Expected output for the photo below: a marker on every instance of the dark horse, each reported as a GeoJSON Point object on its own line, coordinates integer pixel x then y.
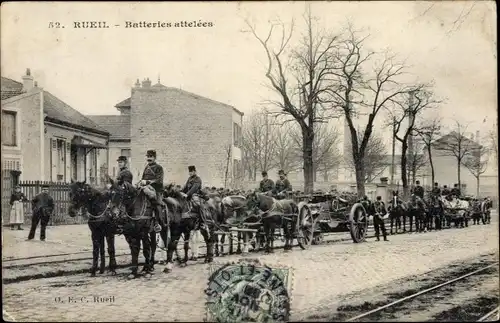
{"type": "Point", "coordinates": [96, 203]}
{"type": "Point", "coordinates": [416, 210]}
{"type": "Point", "coordinates": [136, 215]}
{"type": "Point", "coordinates": [435, 211]}
{"type": "Point", "coordinates": [201, 213]}
{"type": "Point", "coordinates": [274, 213]}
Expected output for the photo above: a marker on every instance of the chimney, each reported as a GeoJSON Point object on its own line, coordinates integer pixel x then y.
{"type": "Point", "coordinates": [28, 81]}
{"type": "Point", "coordinates": [137, 84]}
{"type": "Point", "coordinates": [146, 83]}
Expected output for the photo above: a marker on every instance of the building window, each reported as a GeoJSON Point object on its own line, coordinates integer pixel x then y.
{"type": "Point", "coordinates": [236, 135]}
{"type": "Point", "coordinates": [9, 129]}
{"type": "Point", "coordinates": [125, 152]}
{"type": "Point", "coordinates": [61, 159]}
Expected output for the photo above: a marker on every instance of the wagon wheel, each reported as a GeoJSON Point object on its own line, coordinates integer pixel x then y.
{"type": "Point", "coordinates": [305, 228]}
{"type": "Point", "coordinates": [358, 223]}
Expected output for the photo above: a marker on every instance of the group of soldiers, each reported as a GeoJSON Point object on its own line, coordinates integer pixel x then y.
{"type": "Point", "coordinates": [278, 190]}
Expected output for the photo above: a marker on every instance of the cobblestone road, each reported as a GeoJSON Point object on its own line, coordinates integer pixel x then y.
{"type": "Point", "coordinates": [321, 274]}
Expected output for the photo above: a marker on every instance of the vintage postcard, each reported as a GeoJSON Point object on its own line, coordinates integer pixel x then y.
{"type": "Point", "coordinates": [252, 161]}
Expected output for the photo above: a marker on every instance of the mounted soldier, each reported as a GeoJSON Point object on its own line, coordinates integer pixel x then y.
{"type": "Point", "coordinates": [282, 186]}
{"type": "Point", "coordinates": [152, 178]}
{"type": "Point", "coordinates": [436, 191]}
{"type": "Point", "coordinates": [456, 191]}
{"type": "Point", "coordinates": [191, 190]}
{"type": "Point", "coordinates": [378, 221]}
{"type": "Point", "coordinates": [446, 191]}
{"type": "Point", "coordinates": [418, 190]}
{"type": "Point", "coordinates": [266, 184]}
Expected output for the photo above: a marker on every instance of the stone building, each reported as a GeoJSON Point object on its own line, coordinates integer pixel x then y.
{"type": "Point", "coordinates": [184, 129]}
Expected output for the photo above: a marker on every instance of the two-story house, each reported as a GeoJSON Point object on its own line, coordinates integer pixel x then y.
{"type": "Point", "coordinates": [45, 138]}
{"type": "Point", "coordinates": [184, 128]}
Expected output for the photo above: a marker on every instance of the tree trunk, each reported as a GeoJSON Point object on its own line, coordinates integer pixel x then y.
{"type": "Point", "coordinates": [458, 174]}
{"type": "Point", "coordinates": [404, 173]}
{"type": "Point", "coordinates": [360, 177]}
{"type": "Point", "coordinates": [477, 186]}
{"type": "Point", "coordinates": [307, 151]}
{"type": "Point", "coordinates": [325, 176]}
{"type": "Point", "coordinates": [429, 150]}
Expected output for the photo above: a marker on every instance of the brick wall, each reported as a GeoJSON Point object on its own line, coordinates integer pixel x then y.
{"type": "Point", "coordinates": [30, 128]}
{"type": "Point", "coordinates": [184, 129]}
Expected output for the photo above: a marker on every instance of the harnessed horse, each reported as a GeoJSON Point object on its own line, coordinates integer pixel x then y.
{"type": "Point", "coordinates": [435, 211]}
{"type": "Point", "coordinates": [396, 212]}
{"type": "Point", "coordinates": [274, 213]}
{"type": "Point", "coordinates": [189, 215]}
{"type": "Point", "coordinates": [134, 211]}
{"type": "Point", "coordinates": [96, 202]}
{"type": "Point", "coordinates": [416, 210]}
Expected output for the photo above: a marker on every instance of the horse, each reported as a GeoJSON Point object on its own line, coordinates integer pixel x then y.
{"type": "Point", "coordinates": [96, 202]}
{"type": "Point", "coordinates": [135, 213]}
{"type": "Point", "coordinates": [274, 213]}
{"type": "Point", "coordinates": [188, 216]}
{"type": "Point", "coordinates": [435, 211]}
{"type": "Point", "coordinates": [234, 213]}
{"type": "Point", "coordinates": [396, 212]}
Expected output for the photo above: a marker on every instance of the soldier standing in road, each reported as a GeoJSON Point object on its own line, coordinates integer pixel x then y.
{"type": "Point", "coordinates": [282, 185]}
{"type": "Point", "coordinates": [418, 190]}
{"type": "Point", "coordinates": [436, 191]}
{"type": "Point", "coordinates": [266, 184]}
{"type": "Point", "coordinates": [42, 206]}
{"type": "Point", "coordinates": [378, 221]}
{"type": "Point", "coordinates": [153, 176]}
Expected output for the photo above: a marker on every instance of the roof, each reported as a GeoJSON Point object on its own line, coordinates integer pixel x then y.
{"type": "Point", "coordinates": [118, 126]}
{"type": "Point", "coordinates": [10, 88]}
{"type": "Point", "coordinates": [454, 136]}
{"type": "Point", "coordinates": [57, 110]}
{"type": "Point", "coordinates": [127, 102]}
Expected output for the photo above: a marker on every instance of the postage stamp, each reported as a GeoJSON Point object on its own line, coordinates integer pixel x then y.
{"type": "Point", "coordinates": [248, 291]}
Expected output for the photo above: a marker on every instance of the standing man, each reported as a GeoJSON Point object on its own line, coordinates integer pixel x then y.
{"type": "Point", "coordinates": [153, 176]}
{"type": "Point", "coordinates": [378, 221]}
{"type": "Point", "coordinates": [266, 184]}
{"type": "Point", "coordinates": [418, 190]}
{"type": "Point", "coordinates": [282, 185]}
{"type": "Point", "coordinates": [42, 206]}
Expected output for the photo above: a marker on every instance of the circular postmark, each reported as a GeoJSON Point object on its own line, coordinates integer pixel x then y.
{"type": "Point", "coordinates": [248, 292]}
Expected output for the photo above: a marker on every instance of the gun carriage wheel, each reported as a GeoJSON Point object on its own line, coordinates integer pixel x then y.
{"type": "Point", "coordinates": [358, 223]}
{"type": "Point", "coordinates": [305, 227]}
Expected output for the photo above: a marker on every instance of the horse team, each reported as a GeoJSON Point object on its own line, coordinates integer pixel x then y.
{"type": "Point", "coordinates": [128, 211]}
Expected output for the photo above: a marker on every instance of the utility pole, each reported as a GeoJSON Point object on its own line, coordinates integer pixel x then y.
{"type": "Point", "coordinates": [411, 153]}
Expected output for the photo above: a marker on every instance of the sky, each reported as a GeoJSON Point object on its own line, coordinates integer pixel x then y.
{"type": "Point", "coordinates": [452, 44]}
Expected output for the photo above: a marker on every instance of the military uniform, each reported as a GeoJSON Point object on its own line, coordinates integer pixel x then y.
{"type": "Point", "coordinates": [445, 191]}
{"type": "Point", "coordinates": [456, 191]}
{"type": "Point", "coordinates": [266, 185]}
{"type": "Point", "coordinates": [378, 221]}
{"type": "Point", "coordinates": [153, 175]}
{"type": "Point", "coordinates": [193, 186]}
{"type": "Point", "coordinates": [436, 191]}
{"type": "Point", "coordinates": [282, 185]}
{"type": "Point", "coordinates": [42, 206]}
{"type": "Point", "coordinates": [125, 175]}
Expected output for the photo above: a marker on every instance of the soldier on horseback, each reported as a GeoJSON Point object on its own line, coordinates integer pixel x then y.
{"type": "Point", "coordinates": [436, 191]}
{"type": "Point", "coordinates": [266, 184]}
{"type": "Point", "coordinates": [283, 185]}
{"type": "Point", "coordinates": [378, 221]}
{"type": "Point", "coordinates": [124, 179]}
{"type": "Point", "coordinates": [153, 177]}
{"type": "Point", "coordinates": [193, 184]}
{"type": "Point", "coordinates": [418, 190]}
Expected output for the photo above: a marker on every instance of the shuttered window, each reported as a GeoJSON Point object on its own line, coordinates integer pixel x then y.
{"type": "Point", "coordinates": [9, 129]}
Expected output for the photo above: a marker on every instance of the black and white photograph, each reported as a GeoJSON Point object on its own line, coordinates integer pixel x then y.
{"type": "Point", "coordinates": [251, 161]}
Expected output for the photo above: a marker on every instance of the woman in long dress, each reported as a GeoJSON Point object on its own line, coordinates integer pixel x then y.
{"type": "Point", "coordinates": [17, 209]}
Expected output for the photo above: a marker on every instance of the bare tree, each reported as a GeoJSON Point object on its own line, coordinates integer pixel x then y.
{"type": "Point", "coordinates": [418, 100]}
{"type": "Point", "coordinates": [326, 155]}
{"type": "Point", "coordinates": [429, 130]}
{"type": "Point", "coordinates": [456, 144]}
{"type": "Point", "coordinates": [477, 163]}
{"type": "Point", "coordinates": [357, 93]}
{"type": "Point", "coordinates": [306, 71]}
{"type": "Point", "coordinates": [223, 166]}
{"type": "Point", "coordinates": [416, 160]}
{"type": "Point", "coordinates": [286, 156]}
{"type": "Point", "coordinates": [258, 143]}
{"type": "Point", "coordinates": [374, 162]}
{"type": "Point", "coordinates": [493, 143]}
